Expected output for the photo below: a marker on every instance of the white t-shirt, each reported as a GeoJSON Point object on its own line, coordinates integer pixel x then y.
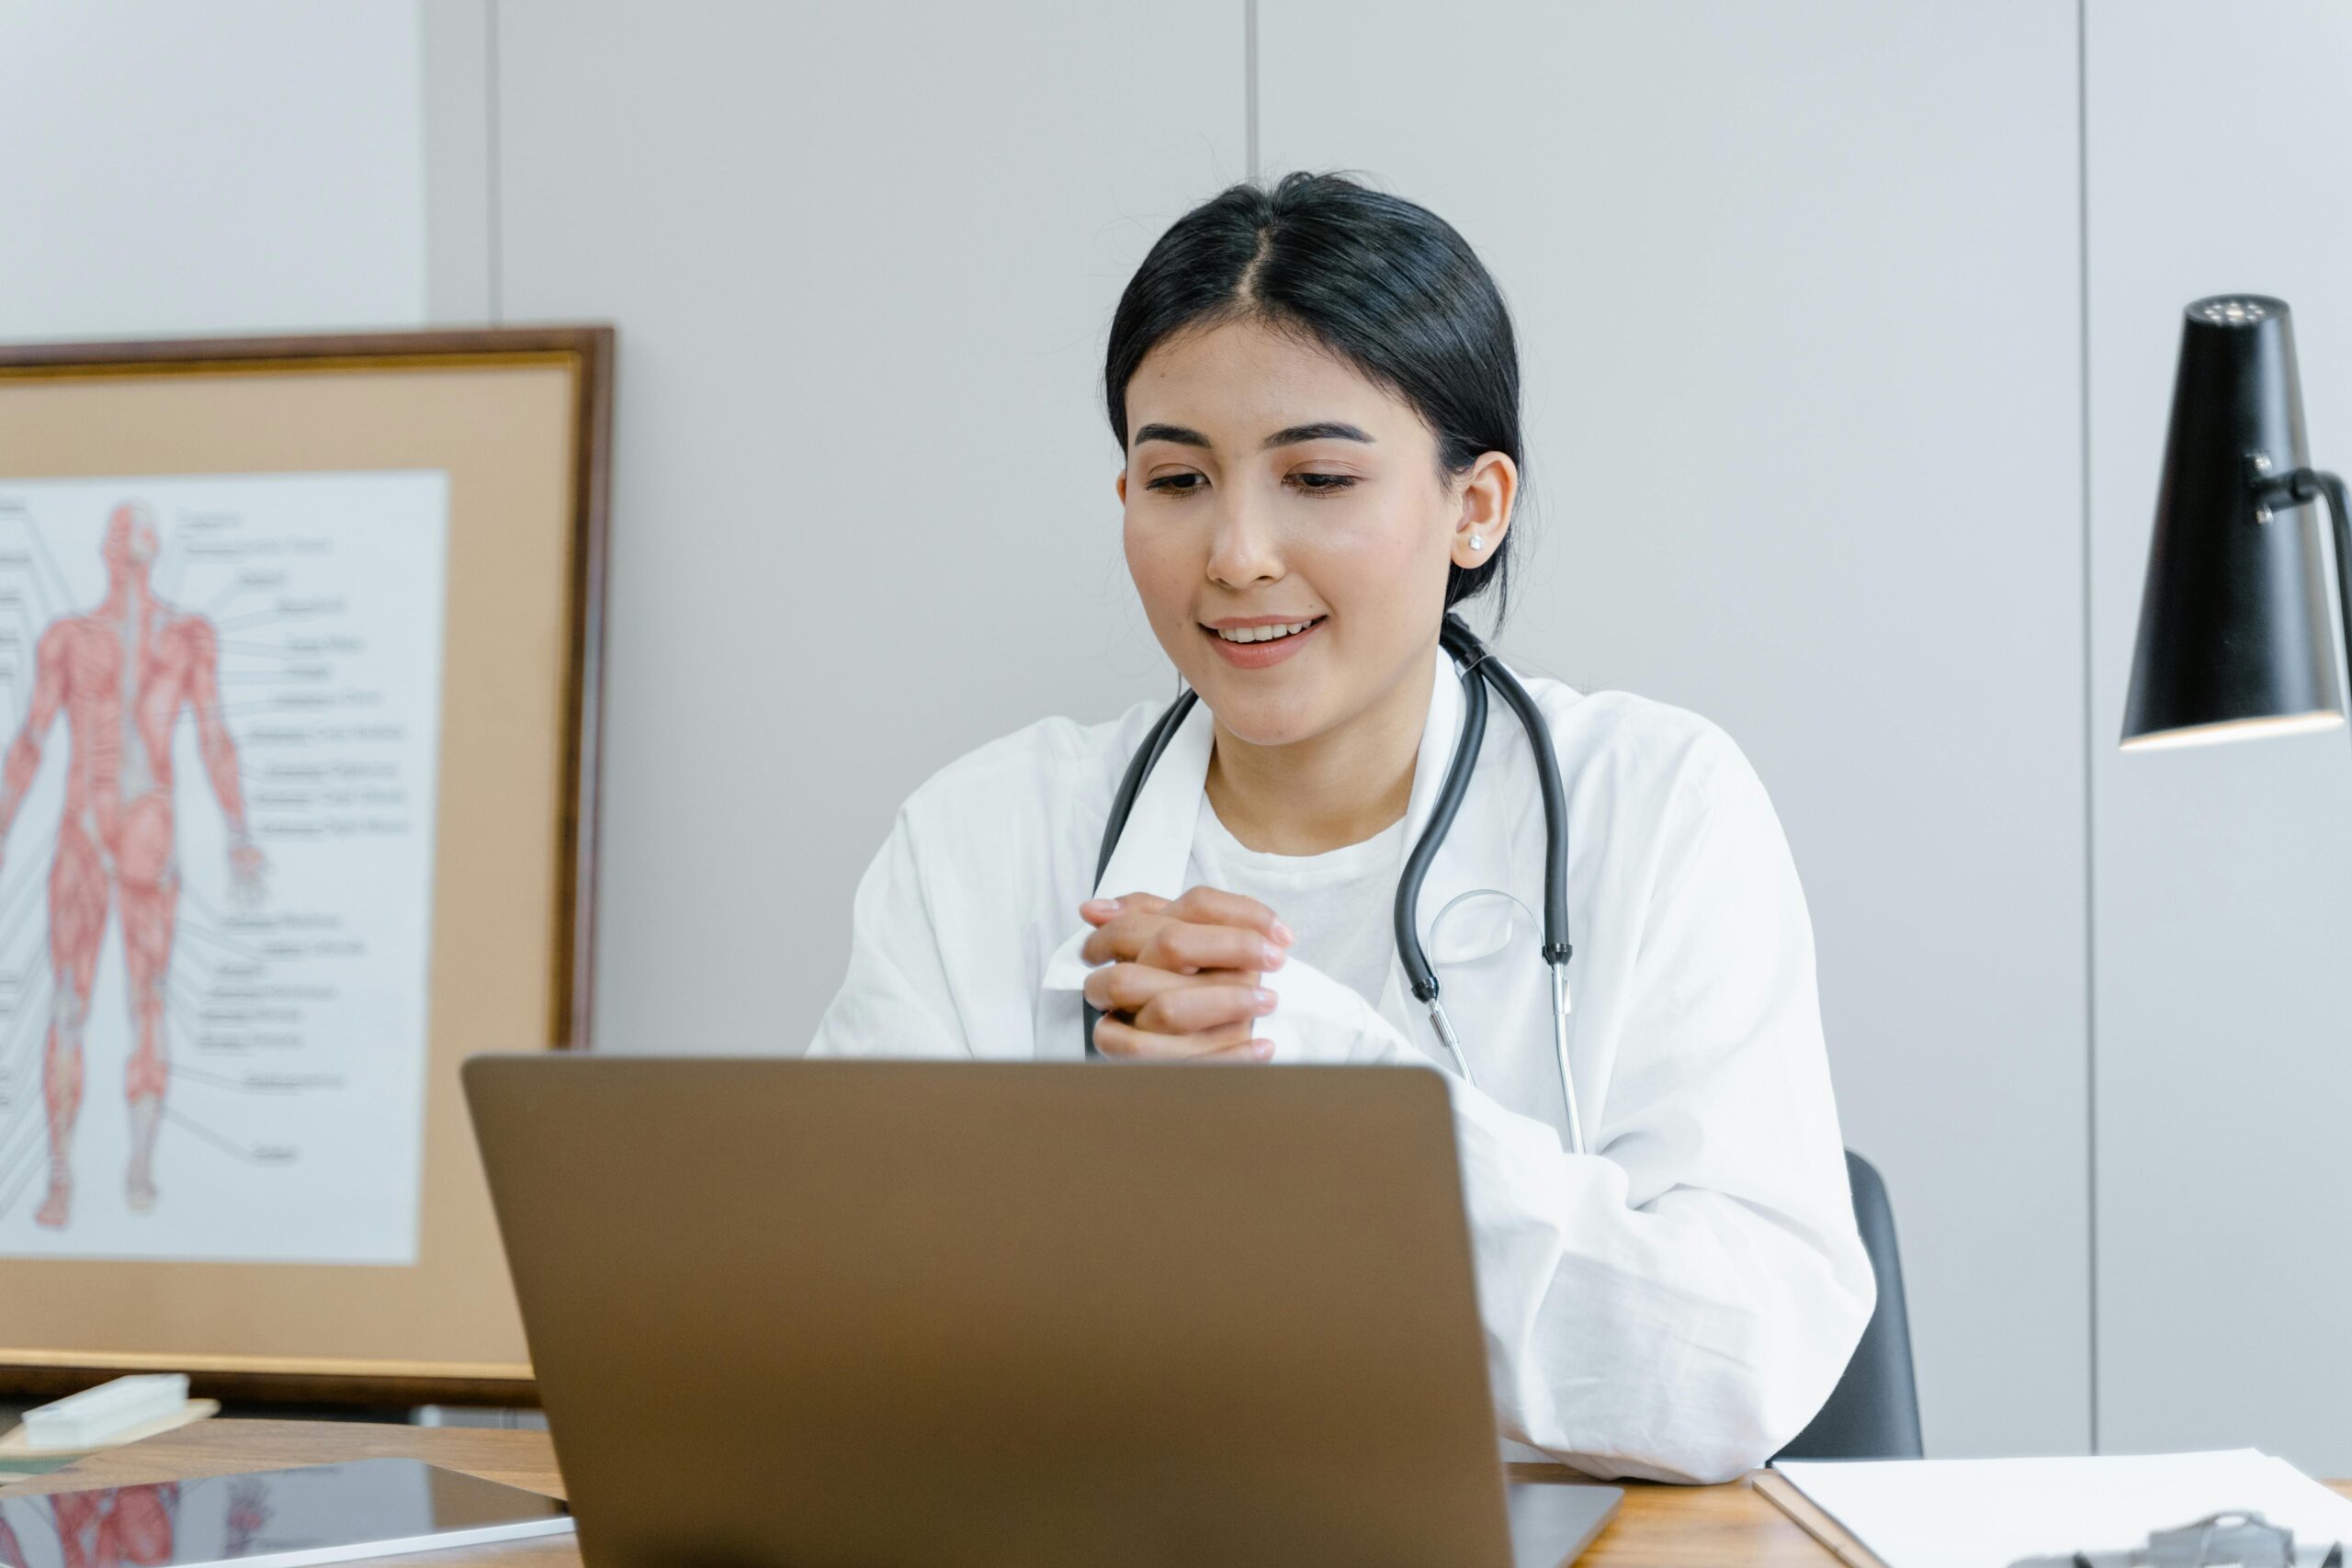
{"type": "Point", "coordinates": [1339, 905]}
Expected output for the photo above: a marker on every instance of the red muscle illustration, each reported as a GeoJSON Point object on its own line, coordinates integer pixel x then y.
{"type": "Point", "coordinates": [120, 673]}
{"type": "Point", "coordinates": [119, 1528]}
{"type": "Point", "coordinates": [122, 1527]}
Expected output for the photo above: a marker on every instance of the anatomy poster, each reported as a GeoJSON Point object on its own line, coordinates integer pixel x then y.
{"type": "Point", "coordinates": [218, 721]}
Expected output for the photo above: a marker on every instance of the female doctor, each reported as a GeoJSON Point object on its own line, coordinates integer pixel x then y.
{"type": "Point", "coordinates": [1316, 392]}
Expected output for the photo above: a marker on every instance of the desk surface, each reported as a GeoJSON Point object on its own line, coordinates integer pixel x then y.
{"type": "Point", "coordinates": [1658, 1526]}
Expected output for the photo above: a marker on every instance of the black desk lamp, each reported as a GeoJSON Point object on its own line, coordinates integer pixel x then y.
{"type": "Point", "coordinates": [2234, 638]}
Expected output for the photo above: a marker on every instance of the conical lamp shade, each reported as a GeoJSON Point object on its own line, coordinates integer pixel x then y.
{"type": "Point", "coordinates": [2235, 634]}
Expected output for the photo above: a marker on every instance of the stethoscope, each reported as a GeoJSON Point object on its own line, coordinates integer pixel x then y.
{"type": "Point", "coordinates": [1478, 671]}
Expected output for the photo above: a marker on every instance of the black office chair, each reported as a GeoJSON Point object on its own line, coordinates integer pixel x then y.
{"type": "Point", "coordinates": [1873, 1412]}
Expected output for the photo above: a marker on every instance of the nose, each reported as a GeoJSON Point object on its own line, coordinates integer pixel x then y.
{"type": "Point", "coordinates": [1242, 548]}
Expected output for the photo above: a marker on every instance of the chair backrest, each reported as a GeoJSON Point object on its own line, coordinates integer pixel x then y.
{"type": "Point", "coordinates": [1873, 1412]}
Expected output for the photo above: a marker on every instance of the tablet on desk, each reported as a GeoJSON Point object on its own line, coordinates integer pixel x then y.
{"type": "Point", "coordinates": [274, 1518]}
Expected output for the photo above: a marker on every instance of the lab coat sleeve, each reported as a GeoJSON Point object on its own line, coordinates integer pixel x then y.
{"type": "Point", "coordinates": [895, 999]}
{"type": "Point", "coordinates": [1678, 1304]}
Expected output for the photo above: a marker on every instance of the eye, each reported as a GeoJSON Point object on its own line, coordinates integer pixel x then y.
{"type": "Point", "coordinates": [1167, 482]}
{"type": "Point", "coordinates": [1325, 484]}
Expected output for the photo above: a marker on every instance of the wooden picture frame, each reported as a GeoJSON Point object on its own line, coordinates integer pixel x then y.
{"type": "Point", "coordinates": [449, 490]}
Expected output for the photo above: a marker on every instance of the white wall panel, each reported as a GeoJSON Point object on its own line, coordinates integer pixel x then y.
{"type": "Point", "coordinates": [1798, 290]}
{"type": "Point", "coordinates": [243, 166]}
{"type": "Point", "coordinates": [2219, 161]}
{"type": "Point", "coordinates": [863, 259]}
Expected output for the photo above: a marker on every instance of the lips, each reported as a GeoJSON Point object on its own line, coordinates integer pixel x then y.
{"type": "Point", "coordinates": [1260, 655]}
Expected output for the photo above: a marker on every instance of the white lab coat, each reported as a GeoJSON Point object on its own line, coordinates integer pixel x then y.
{"type": "Point", "coordinates": [1675, 1304]}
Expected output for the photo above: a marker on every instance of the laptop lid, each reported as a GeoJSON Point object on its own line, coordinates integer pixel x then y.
{"type": "Point", "coordinates": [864, 1312]}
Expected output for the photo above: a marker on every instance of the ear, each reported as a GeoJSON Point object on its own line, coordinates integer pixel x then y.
{"type": "Point", "coordinates": [1487, 492]}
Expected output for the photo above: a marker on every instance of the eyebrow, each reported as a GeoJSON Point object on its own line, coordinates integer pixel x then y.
{"type": "Point", "coordinates": [1323, 430]}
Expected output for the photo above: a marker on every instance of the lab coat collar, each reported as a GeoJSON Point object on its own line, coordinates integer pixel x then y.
{"type": "Point", "coordinates": [1151, 855]}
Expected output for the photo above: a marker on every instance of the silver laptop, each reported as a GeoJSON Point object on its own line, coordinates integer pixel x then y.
{"type": "Point", "coordinates": [872, 1312]}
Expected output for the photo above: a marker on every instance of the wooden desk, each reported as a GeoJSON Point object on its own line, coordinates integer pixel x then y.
{"type": "Point", "coordinates": [1658, 1526]}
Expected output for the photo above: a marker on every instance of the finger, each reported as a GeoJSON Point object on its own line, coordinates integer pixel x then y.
{"type": "Point", "coordinates": [1215, 906]}
{"type": "Point", "coordinates": [1097, 911]}
{"type": "Point", "coordinates": [1182, 946]}
{"type": "Point", "coordinates": [1121, 936]}
{"type": "Point", "coordinates": [1248, 1051]}
{"type": "Point", "coordinates": [1113, 1038]}
{"type": "Point", "coordinates": [1124, 988]}
{"type": "Point", "coordinates": [1190, 1009]}
{"type": "Point", "coordinates": [1132, 930]}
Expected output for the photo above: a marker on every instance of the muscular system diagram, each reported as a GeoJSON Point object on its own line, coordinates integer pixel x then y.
{"type": "Point", "coordinates": [150, 1523]}
{"type": "Point", "coordinates": [120, 675]}
{"type": "Point", "coordinates": [122, 1527]}
{"type": "Point", "coordinates": [219, 718]}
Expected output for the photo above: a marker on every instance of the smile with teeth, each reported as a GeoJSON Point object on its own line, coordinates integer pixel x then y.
{"type": "Point", "coordinates": [1264, 634]}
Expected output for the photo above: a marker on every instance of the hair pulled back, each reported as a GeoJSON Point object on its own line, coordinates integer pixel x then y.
{"type": "Point", "coordinates": [1382, 283]}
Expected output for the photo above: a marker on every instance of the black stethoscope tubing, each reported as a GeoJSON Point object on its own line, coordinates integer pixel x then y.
{"type": "Point", "coordinates": [1478, 671]}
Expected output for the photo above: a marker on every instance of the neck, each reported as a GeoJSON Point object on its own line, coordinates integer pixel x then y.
{"type": "Point", "coordinates": [1329, 790]}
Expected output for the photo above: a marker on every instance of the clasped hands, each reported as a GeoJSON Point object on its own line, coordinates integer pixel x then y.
{"type": "Point", "coordinates": [1177, 979]}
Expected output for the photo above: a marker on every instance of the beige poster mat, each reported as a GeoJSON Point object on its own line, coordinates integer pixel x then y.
{"type": "Point", "coordinates": [233, 1143]}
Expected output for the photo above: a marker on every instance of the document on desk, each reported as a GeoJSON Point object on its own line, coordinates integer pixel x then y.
{"type": "Point", "coordinates": [1972, 1513]}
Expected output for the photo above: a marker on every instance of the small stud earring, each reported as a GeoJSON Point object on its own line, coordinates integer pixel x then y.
{"type": "Point", "coordinates": [1476, 543]}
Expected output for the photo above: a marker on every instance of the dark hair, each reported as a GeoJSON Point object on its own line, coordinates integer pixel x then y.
{"type": "Point", "coordinates": [1383, 283]}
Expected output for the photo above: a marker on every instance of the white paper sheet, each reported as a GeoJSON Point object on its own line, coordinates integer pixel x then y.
{"type": "Point", "coordinates": [284, 665]}
{"type": "Point", "coordinates": [1989, 1513]}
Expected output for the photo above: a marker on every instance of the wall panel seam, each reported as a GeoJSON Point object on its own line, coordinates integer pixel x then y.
{"type": "Point", "coordinates": [1249, 87]}
{"type": "Point", "coordinates": [493, 158]}
{"type": "Point", "coordinates": [2091, 720]}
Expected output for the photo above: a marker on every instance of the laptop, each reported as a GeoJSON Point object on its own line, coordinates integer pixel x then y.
{"type": "Point", "coordinates": [888, 1312]}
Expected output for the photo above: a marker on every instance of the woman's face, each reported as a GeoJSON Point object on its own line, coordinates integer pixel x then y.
{"type": "Point", "coordinates": [1270, 484]}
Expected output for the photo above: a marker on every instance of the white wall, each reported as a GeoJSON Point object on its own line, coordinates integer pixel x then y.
{"type": "Point", "coordinates": [1802, 465]}
{"type": "Point", "coordinates": [861, 257]}
{"type": "Point", "coordinates": [243, 166]}
{"type": "Point", "coordinates": [2225, 873]}
{"type": "Point", "coordinates": [1822, 262]}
